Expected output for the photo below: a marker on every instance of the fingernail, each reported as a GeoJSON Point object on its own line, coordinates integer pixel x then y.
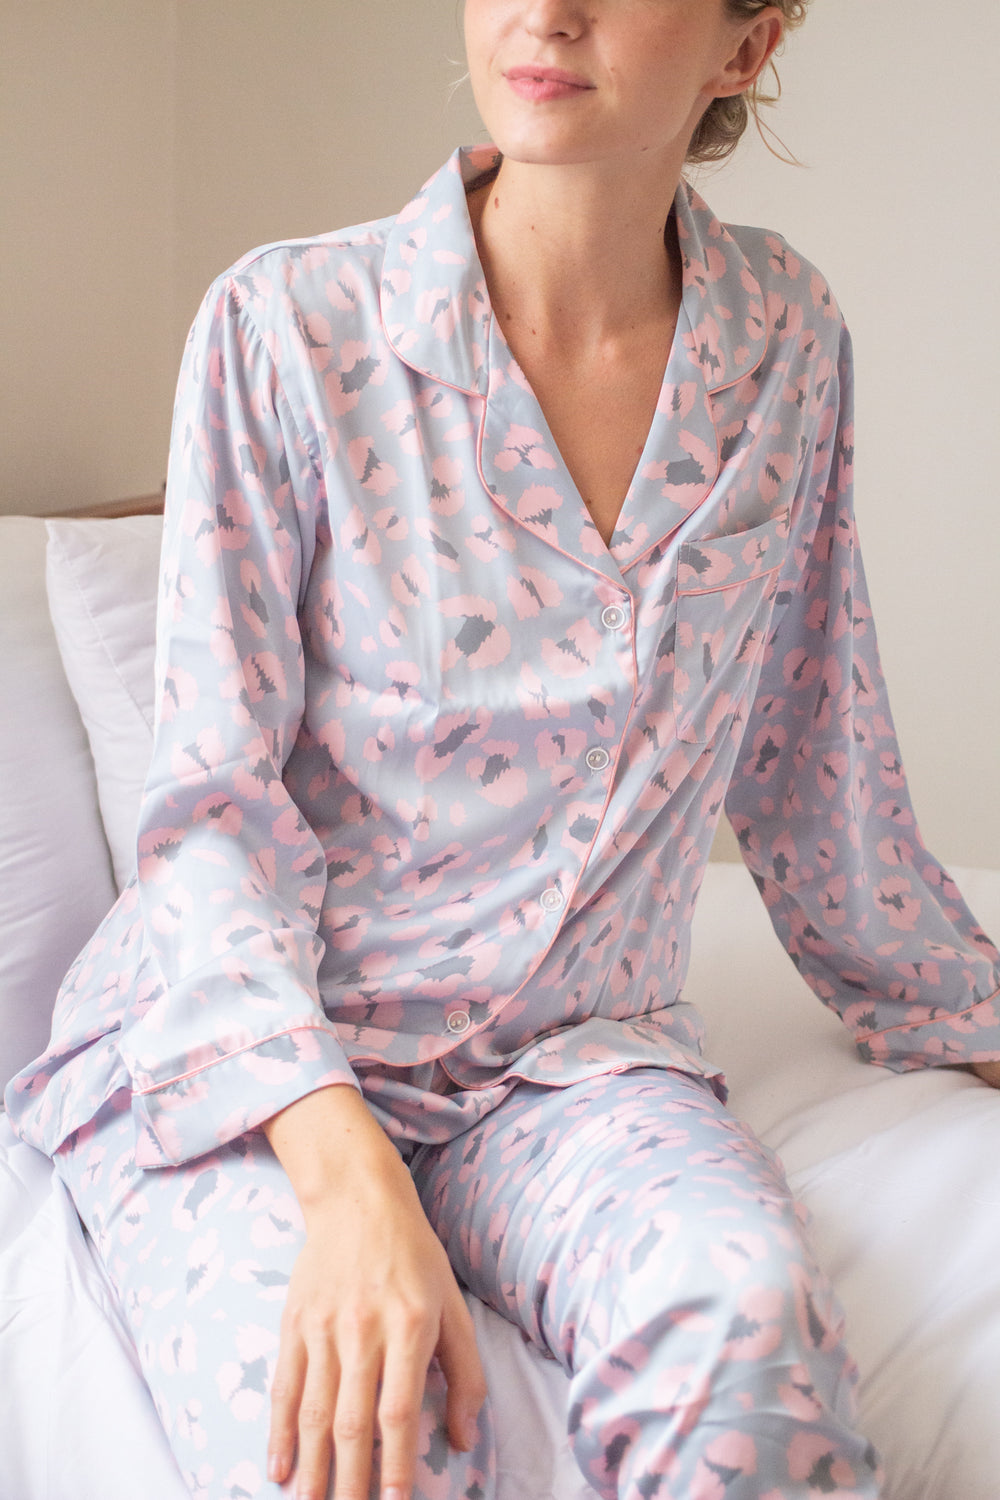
{"type": "Point", "coordinates": [275, 1467]}
{"type": "Point", "coordinates": [392, 1493]}
{"type": "Point", "coordinates": [470, 1429]}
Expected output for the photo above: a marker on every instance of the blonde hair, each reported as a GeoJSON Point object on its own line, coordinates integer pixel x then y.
{"type": "Point", "coordinates": [724, 121]}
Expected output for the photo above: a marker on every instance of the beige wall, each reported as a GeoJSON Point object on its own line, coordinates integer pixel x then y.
{"type": "Point", "coordinates": [86, 248]}
{"type": "Point", "coordinates": [144, 145]}
{"type": "Point", "coordinates": [147, 143]}
{"type": "Point", "coordinates": [288, 130]}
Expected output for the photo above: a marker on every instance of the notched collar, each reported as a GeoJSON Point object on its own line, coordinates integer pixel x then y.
{"type": "Point", "coordinates": [723, 302]}
{"type": "Point", "coordinates": [436, 311]}
{"type": "Point", "coordinates": [437, 317]}
{"type": "Point", "coordinates": [435, 308]}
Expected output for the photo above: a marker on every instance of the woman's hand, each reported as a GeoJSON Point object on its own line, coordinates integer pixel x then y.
{"type": "Point", "coordinates": [371, 1299]}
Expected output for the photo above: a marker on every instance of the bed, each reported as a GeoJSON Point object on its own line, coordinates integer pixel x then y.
{"type": "Point", "coordinates": [900, 1174]}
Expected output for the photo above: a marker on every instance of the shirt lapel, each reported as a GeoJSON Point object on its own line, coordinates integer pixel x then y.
{"type": "Point", "coordinates": [435, 308]}
{"type": "Point", "coordinates": [720, 339]}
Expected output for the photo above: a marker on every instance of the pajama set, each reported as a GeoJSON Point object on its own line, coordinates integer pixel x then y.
{"type": "Point", "coordinates": [435, 777]}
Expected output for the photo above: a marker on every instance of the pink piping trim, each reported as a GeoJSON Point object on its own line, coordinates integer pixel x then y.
{"type": "Point", "coordinates": [619, 1068]}
{"type": "Point", "coordinates": [720, 587]}
{"type": "Point", "coordinates": [250, 1047]}
{"type": "Point", "coordinates": [933, 1021]}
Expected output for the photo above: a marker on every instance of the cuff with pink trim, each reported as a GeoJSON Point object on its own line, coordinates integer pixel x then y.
{"type": "Point", "coordinates": [937, 1038]}
{"type": "Point", "coordinates": [186, 1117]}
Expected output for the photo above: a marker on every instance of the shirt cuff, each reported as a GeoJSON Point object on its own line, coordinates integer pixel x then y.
{"type": "Point", "coordinates": [186, 1117]}
{"type": "Point", "coordinates": [939, 1039]}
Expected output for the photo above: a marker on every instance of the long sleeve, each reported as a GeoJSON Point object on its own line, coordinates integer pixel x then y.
{"type": "Point", "coordinates": [230, 877]}
{"type": "Point", "coordinates": [820, 807]}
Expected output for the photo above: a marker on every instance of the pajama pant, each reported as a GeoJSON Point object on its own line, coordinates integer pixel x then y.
{"type": "Point", "coordinates": [630, 1226]}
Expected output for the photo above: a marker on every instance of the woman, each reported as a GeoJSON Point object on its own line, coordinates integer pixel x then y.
{"type": "Point", "coordinates": [505, 540]}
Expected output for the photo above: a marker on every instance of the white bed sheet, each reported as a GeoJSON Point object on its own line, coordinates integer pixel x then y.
{"type": "Point", "coordinates": [900, 1174]}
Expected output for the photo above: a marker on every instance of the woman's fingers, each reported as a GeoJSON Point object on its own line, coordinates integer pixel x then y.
{"type": "Point", "coordinates": [401, 1402]}
{"type": "Point", "coordinates": [286, 1394]}
{"type": "Point", "coordinates": [463, 1370]}
{"type": "Point", "coordinates": [319, 1401]}
{"type": "Point", "coordinates": [354, 1423]}
{"type": "Point", "coordinates": [327, 1396]}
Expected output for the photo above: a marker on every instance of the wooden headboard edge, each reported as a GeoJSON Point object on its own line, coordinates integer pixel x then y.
{"type": "Point", "coordinates": [138, 505]}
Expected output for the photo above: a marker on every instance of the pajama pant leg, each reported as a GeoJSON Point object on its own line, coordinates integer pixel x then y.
{"type": "Point", "coordinates": [645, 1239]}
{"type": "Point", "coordinates": [627, 1224]}
{"type": "Point", "coordinates": [200, 1257]}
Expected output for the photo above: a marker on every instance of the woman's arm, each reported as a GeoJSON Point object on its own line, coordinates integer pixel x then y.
{"type": "Point", "coordinates": [820, 804]}
{"type": "Point", "coordinates": [224, 1026]}
{"type": "Point", "coordinates": [232, 878]}
{"type": "Point", "coordinates": [989, 1072]}
{"type": "Point", "coordinates": [371, 1299]}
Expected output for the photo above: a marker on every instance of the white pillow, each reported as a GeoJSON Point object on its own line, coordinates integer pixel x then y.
{"type": "Point", "coordinates": [102, 584]}
{"type": "Point", "coordinates": [55, 872]}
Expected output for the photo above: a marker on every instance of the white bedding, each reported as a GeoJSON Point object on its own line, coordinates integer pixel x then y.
{"type": "Point", "coordinates": [900, 1174]}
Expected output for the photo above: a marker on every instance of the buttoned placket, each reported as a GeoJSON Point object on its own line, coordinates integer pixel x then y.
{"type": "Point", "coordinates": [523, 472]}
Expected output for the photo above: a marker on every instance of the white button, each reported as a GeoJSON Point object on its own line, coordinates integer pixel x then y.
{"type": "Point", "coordinates": [551, 899]}
{"type": "Point", "coordinates": [598, 759]}
{"type": "Point", "coordinates": [459, 1021]}
{"type": "Point", "coordinates": [613, 617]}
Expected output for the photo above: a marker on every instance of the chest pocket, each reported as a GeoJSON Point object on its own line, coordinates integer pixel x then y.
{"type": "Point", "coordinates": [725, 590]}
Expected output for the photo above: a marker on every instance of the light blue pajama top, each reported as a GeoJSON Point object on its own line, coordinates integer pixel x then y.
{"type": "Point", "coordinates": [436, 772]}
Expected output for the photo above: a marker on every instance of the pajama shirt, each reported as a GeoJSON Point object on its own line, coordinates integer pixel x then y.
{"type": "Point", "coordinates": [436, 772]}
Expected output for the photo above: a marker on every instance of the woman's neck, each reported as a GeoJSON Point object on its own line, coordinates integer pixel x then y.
{"type": "Point", "coordinates": [575, 256]}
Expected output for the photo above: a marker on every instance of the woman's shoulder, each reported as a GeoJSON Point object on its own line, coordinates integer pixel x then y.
{"type": "Point", "coordinates": [358, 242]}
{"type": "Point", "coordinates": [311, 282]}
{"type": "Point", "coordinates": [791, 284]}
{"type": "Point", "coordinates": [741, 266]}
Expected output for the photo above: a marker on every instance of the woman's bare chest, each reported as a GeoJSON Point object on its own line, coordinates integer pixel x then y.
{"type": "Point", "coordinates": [599, 414]}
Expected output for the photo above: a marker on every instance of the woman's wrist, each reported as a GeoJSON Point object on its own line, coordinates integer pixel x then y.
{"type": "Point", "coordinates": [329, 1144]}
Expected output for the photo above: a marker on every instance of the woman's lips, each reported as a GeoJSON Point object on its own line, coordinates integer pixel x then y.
{"type": "Point", "coordinates": [541, 84]}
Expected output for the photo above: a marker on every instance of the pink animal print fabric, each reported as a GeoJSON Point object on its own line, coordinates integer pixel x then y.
{"type": "Point", "coordinates": [436, 772]}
